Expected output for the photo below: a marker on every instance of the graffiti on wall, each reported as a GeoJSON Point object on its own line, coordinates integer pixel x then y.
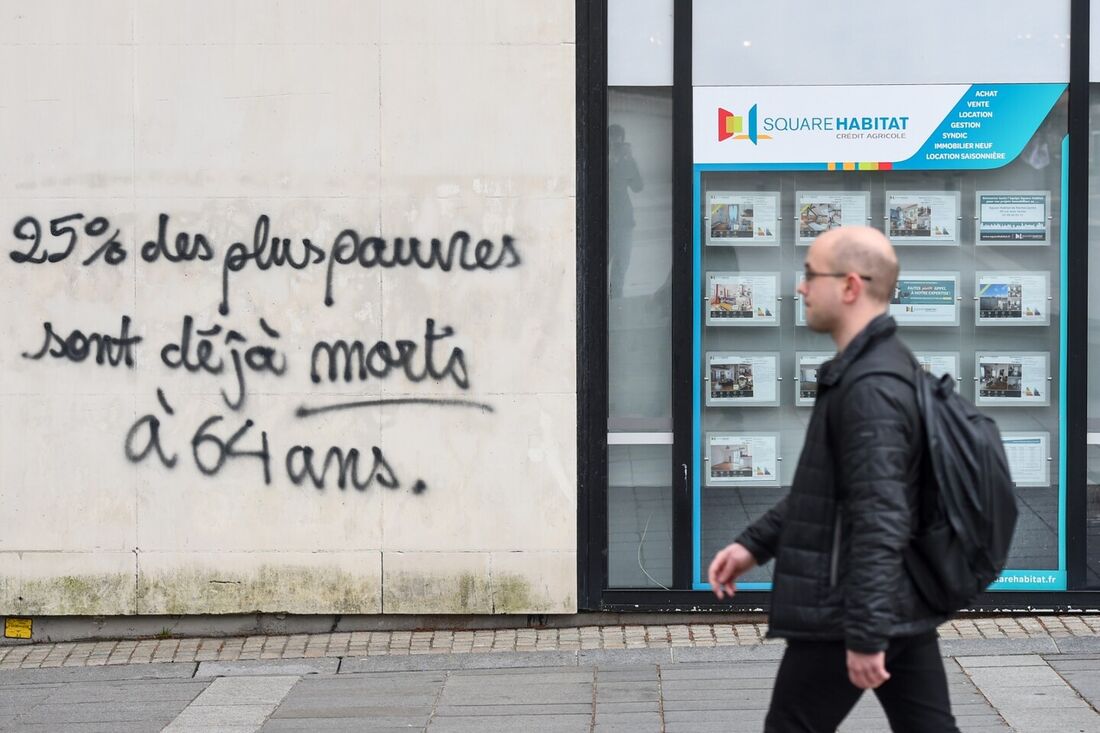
{"type": "Point", "coordinates": [237, 351]}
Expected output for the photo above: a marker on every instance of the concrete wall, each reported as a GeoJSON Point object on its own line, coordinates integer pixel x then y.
{"type": "Point", "coordinates": [249, 176]}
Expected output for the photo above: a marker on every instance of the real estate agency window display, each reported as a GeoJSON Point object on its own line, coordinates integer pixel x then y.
{"type": "Point", "coordinates": [968, 183]}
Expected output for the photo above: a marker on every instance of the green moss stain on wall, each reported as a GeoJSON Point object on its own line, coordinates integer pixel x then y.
{"type": "Point", "coordinates": [75, 595]}
{"type": "Point", "coordinates": [432, 593]}
{"type": "Point", "coordinates": [271, 588]}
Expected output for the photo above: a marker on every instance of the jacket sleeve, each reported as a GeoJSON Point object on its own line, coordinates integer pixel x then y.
{"type": "Point", "coordinates": [875, 440]}
{"type": "Point", "coordinates": [762, 536]}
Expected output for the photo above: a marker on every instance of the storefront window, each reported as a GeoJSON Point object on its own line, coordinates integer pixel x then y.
{"type": "Point", "coordinates": [1092, 564]}
{"type": "Point", "coordinates": [981, 250]}
{"type": "Point", "coordinates": [639, 322]}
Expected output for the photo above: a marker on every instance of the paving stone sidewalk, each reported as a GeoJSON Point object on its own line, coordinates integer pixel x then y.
{"type": "Point", "coordinates": [671, 690]}
{"type": "Point", "coordinates": [584, 638]}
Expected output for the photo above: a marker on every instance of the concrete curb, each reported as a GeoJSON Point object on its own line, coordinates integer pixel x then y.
{"type": "Point", "coordinates": [996, 647]}
{"type": "Point", "coordinates": [110, 673]}
{"type": "Point", "coordinates": [262, 667]}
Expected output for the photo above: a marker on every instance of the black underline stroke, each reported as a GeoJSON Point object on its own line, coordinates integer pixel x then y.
{"type": "Point", "coordinates": [304, 411]}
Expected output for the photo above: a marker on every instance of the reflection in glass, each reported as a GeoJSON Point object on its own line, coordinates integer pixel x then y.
{"type": "Point", "coordinates": [639, 509]}
{"type": "Point", "coordinates": [639, 259]}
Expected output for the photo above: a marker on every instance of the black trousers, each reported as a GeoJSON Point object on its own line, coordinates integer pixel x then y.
{"type": "Point", "coordinates": [812, 691]}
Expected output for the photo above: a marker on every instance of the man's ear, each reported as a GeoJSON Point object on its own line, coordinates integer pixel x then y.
{"type": "Point", "coordinates": [853, 288]}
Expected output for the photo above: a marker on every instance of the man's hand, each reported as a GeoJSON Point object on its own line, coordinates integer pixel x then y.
{"type": "Point", "coordinates": [727, 566]}
{"type": "Point", "coordinates": [867, 671]}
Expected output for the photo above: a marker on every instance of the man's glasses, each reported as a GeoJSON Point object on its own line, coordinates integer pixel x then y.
{"type": "Point", "coordinates": [811, 274]}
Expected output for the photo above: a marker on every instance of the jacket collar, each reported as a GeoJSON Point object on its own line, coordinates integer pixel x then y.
{"type": "Point", "coordinates": [882, 326]}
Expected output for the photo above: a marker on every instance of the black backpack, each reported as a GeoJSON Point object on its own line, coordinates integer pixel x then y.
{"type": "Point", "coordinates": [968, 504]}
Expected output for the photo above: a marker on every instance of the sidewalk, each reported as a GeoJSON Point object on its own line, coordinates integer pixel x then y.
{"type": "Point", "coordinates": [1022, 674]}
{"type": "Point", "coordinates": [396, 643]}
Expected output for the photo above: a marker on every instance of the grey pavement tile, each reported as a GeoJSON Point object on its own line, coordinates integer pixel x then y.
{"type": "Point", "coordinates": [106, 712]}
{"type": "Point", "coordinates": [112, 727]}
{"type": "Point", "coordinates": [511, 724]}
{"type": "Point", "coordinates": [93, 674]}
{"type": "Point", "coordinates": [625, 694]}
{"type": "Point", "coordinates": [1015, 677]}
{"type": "Point", "coordinates": [329, 725]}
{"type": "Point", "coordinates": [1054, 720]}
{"type": "Point", "coordinates": [498, 660]}
{"type": "Point", "coordinates": [717, 685]}
{"type": "Point", "coordinates": [276, 667]}
{"type": "Point", "coordinates": [1078, 644]}
{"type": "Point", "coordinates": [391, 717]}
{"type": "Point", "coordinates": [543, 695]}
{"type": "Point", "coordinates": [1074, 665]}
{"type": "Point", "coordinates": [325, 699]}
{"type": "Point", "coordinates": [626, 727]}
{"type": "Point", "coordinates": [520, 676]}
{"type": "Point", "coordinates": [650, 721]}
{"type": "Point", "coordinates": [1010, 660]}
{"type": "Point", "coordinates": [727, 702]}
{"type": "Point", "coordinates": [991, 719]}
{"type": "Point", "coordinates": [605, 658]}
{"type": "Point", "coordinates": [209, 728]}
{"type": "Point", "coordinates": [651, 685]}
{"type": "Point", "coordinates": [712, 715]}
{"type": "Point", "coordinates": [643, 706]}
{"type": "Point", "coordinates": [81, 692]}
{"type": "Point", "coordinates": [626, 667]}
{"type": "Point", "coordinates": [375, 681]}
{"type": "Point", "coordinates": [206, 717]}
{"type": "Point", "coordinates": [644, 672]}
{"type": "Point", "coordinates": [1072, 657]}
{"type": "Point", "coordinates": [1087, 685]}
{"type": "Point", "coordinates": [997, 647]}
{"type": "Point", "coordinates": [715, 720]}
{"type": "Point", "coordinates": [743, 670]}
{"type": "Point", "coordinates": [751, 653]}
{"type": "Point", "coordinates": [264, 690]}
{"type": "Point", "coordinates": [520, 709]}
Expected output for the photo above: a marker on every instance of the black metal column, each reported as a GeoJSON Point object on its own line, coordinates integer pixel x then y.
{"type": "Point", "coordinates": [682, 219]}
{"type": "Point", "coordinates": [591, 62]}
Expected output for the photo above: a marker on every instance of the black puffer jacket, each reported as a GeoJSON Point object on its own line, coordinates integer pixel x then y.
{"type": "Point", "coordinates": [838, 536]}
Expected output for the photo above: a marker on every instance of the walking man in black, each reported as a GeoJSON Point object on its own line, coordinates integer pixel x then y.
{"type": "Point", "coordinates": [841, 597]}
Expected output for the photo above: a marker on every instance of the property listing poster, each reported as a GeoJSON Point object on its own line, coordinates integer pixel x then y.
{"type": "Point", "coordinates": [1013, 217]}
{"type": "Point", "coordinates": [806, 377]}
{"type": "Point", "coordinates": [742, 459]}
{"type": "Point", "coordinates": [735, 218]}
{"type": "Point", "coordinates": [820, 211]}
{"type": "Point", "coordinates": [742, 299]}
{"type": "Point", "coordinates": [1013, 379]}
{"type": "Point", "coordinates": [742, 379]}
{"type": "Point", "coordinates": [1028, 457]}
{"type": "Point", "coordinates": [939, 363]}
{"type": "Point", "coordinates": [1013, 298]}
{"type": "Point", "coordinates": [915, 217]}
{"type": "Point", "coordinates": [926, 299]}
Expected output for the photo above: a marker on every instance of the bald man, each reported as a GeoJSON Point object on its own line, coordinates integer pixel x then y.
{"type": "Point", "coordinates": [852, 618]}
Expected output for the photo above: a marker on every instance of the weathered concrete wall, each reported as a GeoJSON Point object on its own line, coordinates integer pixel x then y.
{"type": "Point", "coordinates": [227, 192]}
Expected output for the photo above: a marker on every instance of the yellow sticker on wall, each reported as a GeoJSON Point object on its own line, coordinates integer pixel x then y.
{"type": "Point", "coordinates": [17, 628]}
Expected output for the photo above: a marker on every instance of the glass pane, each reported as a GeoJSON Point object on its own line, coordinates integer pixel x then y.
{"type": "Point", "coordinates": [747, 46]}
{"type": "Point", "coordinates": [639, 43]}
{"type": "Point", "coordinates": [979, 298]}
{"type": "Point", "coordinates": [640, 259]}
{"type": "Point", "coordinates": [1093, 485]}
{"type": "Point", "coordinates": [639, 510]}
{"type": "Point", "coordinates": [1092, 532]}
{"type": "Point", "coordinates": [639, 340]}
